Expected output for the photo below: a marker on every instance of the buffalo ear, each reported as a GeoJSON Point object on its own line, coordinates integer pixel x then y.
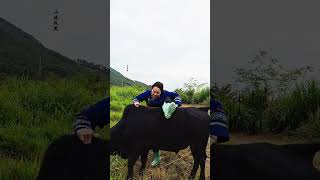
{"type": "Point", "coordinates": [126, 111]}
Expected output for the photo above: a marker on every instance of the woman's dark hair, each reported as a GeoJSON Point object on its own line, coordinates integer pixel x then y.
{"type": "Point", "coordinates": [159, 85]}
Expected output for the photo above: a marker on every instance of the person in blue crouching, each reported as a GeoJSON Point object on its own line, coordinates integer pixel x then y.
{"type": "Point", "coordinates": [156, 98]}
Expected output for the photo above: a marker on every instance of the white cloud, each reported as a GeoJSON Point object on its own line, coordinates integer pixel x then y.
{"type": "Point", "coordinates": [161, 40]}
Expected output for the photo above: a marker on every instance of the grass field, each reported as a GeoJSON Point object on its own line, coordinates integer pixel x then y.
{"type": "Point", "coordinates": [33, 114]}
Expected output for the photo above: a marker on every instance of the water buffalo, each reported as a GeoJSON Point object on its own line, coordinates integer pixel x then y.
{"type": "Point", "coordinates": [143, 128]}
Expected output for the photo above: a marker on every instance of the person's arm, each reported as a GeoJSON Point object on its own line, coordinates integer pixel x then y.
{"type": "Point", "coordinates": [175, 97]}
{"type": "Point", "coordinates": [219, 127]}
{"type": "Point", "coordinates": [95, 115]}
{"type": "Point", "coordinates": [87, 120]}
{"type": "Point", "coordinates": [141, 97]}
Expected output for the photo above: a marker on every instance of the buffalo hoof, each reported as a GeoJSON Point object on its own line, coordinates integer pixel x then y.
{"type": "Point", "coordinates": [191, 178]}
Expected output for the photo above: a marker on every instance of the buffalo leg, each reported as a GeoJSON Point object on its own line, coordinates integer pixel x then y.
{"type": "Point", "coordinates": [195, 167]}
{"type": "Point", "coordinates": [203, 160]}
{"type": "Point", "coordinates": [202, 165]}
{"type": "Point", "coordinates": [144, 157]}
{"type": "Point", "coordinates": [131, 162]}
{"type": "Point", "coordinates": [196, 161]}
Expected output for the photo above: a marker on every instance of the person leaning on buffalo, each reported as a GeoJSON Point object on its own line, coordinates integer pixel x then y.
{"type": "Point", "coordinates": [155, 98]}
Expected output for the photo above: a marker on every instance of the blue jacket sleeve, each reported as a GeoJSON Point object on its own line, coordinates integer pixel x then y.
{"type": "Point", "coordinates": [218, 123]}
{"type": "Point", "coordinates": [219, 126]}
{"type": "Point", "coordinates": [143, 96]}
{"type": "Point", "coordinates": [215, 105]}
{"type": "Point", "coordinates": [95, 115]}
{"type": "Point", "coordinates": [175, 97]}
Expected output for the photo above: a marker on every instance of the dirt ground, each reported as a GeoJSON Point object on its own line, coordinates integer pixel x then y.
{"type": "Point", "coordinates": [178, 166]}
{"type": "Point", "coordinates": [173, 166]}
{"type": "Point", "coordinates": [243, 138]}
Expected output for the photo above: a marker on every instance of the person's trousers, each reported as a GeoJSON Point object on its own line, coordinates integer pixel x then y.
{"type": "Point", "coordinates": [213, 155]}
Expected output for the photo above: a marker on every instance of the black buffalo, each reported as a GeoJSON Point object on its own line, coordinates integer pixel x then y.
{"type": "Point", "coordinates": [143, 128]}
{"type": "Point", "coordinates": [264, 161]}
{"type": "Point", "coordinates": [68, 158]}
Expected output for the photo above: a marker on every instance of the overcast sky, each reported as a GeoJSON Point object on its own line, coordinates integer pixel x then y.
{"type": "Point", "coordinates": [165, 40]}
{"type": "Point", "coordinates": [83, 25]}
{"type": "Point", "coordinates": [288, 29]}
{"type": "Point", "coordinates": [168, 40]}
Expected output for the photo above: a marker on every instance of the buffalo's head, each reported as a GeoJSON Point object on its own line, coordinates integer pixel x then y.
{"type": "Point", "coordinates": [118, 141]}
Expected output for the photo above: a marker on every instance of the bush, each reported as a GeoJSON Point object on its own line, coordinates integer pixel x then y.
{"type": "Point", "coordinates": [293, 111]}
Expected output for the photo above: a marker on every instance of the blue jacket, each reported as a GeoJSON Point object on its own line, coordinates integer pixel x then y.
{"type": "Point", "coordinates": [165, 96]}
{"type": "Point", "coordinates": [95, 115]}
{"type": "Point", "coordinates": [218, 122]}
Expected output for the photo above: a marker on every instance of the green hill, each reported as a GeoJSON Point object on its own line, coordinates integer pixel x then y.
{"type": "Point", "coordinates": [21, 53]}
{"type": "Point", "coordinates": [118, 79]}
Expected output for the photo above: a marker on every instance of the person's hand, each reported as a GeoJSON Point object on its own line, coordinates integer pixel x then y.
{"type": "Point", "coordinates": [213, 139]}
{"type": "Point", "coordinates": [136, 104]}
{"type": "Point", "coordinates": [85, 135]}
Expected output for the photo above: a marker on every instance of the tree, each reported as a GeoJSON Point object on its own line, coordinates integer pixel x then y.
{"type": "Point", "coordinates": [191, 87]}
{"type": "Point", "coordinates": [266, 72]}
{"type": "Point", "coordinates": [194, 92]}
{"type": "Point", "coordinates": [265, 77]}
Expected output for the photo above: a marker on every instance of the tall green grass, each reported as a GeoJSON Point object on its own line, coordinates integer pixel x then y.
{"type": "Point", "coordinates": [34, 113]}
{"type": "Point", "coordinates": [260, 111]}
{"type": "Point", "coordinates": [296, 109]}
